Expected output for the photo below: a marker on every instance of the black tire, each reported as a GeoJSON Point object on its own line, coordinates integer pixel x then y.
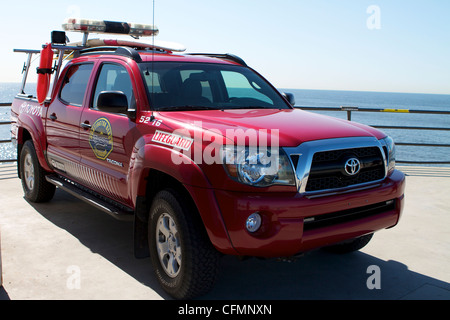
{"type": "Point", "coordinates": [186, 264]}
{"type": "Point", "coordinates": [349, 246]}
{"type": "Point", "coordinates": [36, 188]}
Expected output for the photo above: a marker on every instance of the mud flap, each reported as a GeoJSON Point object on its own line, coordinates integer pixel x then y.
{"type": "Point", "coordinates": [141, 249]}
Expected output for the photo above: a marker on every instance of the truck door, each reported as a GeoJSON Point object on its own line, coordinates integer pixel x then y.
{"type": "Point", "coordinates": [63, 120]}
{"type": "Point", "coordinates": [106, 138]}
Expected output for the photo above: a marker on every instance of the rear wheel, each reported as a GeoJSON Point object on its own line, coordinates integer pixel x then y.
{"type": "Point", "coordinates": [184, 260]}
{"type": "Point", "coordinates": [350, 245]}
{"type": "Point", "coordinates": [34, 184]}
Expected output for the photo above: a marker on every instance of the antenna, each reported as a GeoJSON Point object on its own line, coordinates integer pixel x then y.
{"type": "Point", "coordinates": [153, 61]}
{"type": "Point", "coordinates": [153, 22]}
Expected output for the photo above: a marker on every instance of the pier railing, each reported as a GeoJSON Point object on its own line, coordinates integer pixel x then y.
{"type": "Point", "coordinates": [5, 105]}
{"type": "Point", "coordinates": [349, 111]}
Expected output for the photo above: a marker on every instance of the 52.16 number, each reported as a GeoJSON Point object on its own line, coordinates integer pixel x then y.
{"type": "Point", "coordinates": [145, 119]}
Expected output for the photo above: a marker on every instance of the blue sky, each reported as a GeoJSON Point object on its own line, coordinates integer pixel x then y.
{"type": "Point", "coordinates": [400, 46]}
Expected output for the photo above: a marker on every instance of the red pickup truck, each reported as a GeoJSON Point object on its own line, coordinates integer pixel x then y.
{"type": "Point", "coordinates": [205, 156]}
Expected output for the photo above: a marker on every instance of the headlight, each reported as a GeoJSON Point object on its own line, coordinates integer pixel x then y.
{"type": "Point", "coordinates": [258, 168]}
{"type": "Point", "coordinates": [389, 149]}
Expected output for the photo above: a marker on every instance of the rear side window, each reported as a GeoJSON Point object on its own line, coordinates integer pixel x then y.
{"type": "Point", "coordinates": [75, 83]}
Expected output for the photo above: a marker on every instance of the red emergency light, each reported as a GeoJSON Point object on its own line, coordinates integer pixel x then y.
{"type": "Point", "coordinates": [103, 26]}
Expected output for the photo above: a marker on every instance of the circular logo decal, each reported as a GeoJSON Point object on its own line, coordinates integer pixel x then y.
{"type": "Point", "coordinates": [101, 138]}
{"type": "Point", "coordinates": [352, 166]}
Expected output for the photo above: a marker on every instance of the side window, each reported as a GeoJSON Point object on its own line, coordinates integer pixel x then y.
{"type": "Point", "coordinates": [114, 77]}
{"type": "Point", "coordinates": [152, 79]}
{"type": "Point", "coordinates": [75, 83]}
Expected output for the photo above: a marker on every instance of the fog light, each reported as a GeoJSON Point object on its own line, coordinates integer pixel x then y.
{"type": "Point", "coordinates": [253, 222]}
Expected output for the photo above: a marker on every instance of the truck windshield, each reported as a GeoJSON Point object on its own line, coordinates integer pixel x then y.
{"type": "Point", "coordinates": [176, 86]}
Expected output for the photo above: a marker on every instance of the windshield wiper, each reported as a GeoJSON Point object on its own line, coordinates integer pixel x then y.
{"type": "Point", "coordinates": [248, 107]}
{"type": "Point", "coordinates": [185, 108]}
{"type": "Point", "coordinates": [193, 108]}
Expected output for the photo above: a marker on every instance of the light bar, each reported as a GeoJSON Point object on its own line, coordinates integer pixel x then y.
{"type": "Point", "coordinates": [98, 26]}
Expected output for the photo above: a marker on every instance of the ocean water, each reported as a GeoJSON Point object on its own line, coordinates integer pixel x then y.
{"type": "Point", "coordinates": [382, 100]}
{"type": "Point", "coordinates": [328, 98]}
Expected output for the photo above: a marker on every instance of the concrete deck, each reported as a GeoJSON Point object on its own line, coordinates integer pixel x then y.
{"type": "Point", "coordinates": [66, 249]}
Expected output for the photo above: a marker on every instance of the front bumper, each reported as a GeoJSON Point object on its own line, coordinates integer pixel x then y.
{"type": "Point", "coordinates": [283, 232]}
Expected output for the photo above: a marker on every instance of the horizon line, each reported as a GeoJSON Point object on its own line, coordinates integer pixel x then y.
{"type": "Point", "coordinates": [339, 90]}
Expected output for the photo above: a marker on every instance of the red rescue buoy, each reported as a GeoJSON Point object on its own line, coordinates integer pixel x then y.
{"type": "Point", "coordinates": [44, 73]}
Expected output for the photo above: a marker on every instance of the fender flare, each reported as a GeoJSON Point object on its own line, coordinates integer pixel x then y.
{"type": "Point", "coordinates": [38, 136]}
{"type": "Point", "coordinates": [155, 157]}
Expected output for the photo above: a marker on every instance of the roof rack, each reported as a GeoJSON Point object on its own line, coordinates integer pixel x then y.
{"type": "Point", "coordinates": [226, 56]}
{"type": "Point", "coordinates": [59, 42]}
{"type": "Point", "coordinates": [61, 49]}
{"type": "Point", "coordinates": [122, 51]}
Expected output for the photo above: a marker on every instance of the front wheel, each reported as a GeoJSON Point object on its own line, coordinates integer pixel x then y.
{"type": "Point", "coordinates": [183, 258]}
{"type": "Point", "coordinates": [34, 184]}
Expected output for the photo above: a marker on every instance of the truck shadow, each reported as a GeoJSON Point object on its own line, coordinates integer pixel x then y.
{"type": "Point", "coordinates": [3, 294]}
{"type": "Point", "coordinates": [318, 275]}
{"type": "Point", "coordinates": [324, 276]}
{"type": "Point", "coordinates": [101, 234]}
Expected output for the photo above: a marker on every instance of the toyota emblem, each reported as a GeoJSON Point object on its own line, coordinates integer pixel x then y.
{"type": "Point", "coordinates": [352, 166]}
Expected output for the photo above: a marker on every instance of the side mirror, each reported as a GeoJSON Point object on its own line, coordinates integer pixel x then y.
{"type": "Point", "coordinates": [289, 97]}
{"type": "Point", "coordinates": [112, 101]}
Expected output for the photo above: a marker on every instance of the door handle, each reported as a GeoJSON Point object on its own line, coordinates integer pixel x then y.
{"type": "Point", "coordinates": [85, 125]}
{"type": "Point", "coordinates": [53, 116]}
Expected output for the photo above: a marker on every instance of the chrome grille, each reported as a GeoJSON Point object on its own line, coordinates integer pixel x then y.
{"type": "Point", "coordinates": [320, 165]}
{"type": "Point", "coordinates": [327, 169]}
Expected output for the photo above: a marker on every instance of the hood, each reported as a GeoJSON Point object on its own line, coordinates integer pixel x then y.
{"type": "Point", "coordinates": [294, 126]}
